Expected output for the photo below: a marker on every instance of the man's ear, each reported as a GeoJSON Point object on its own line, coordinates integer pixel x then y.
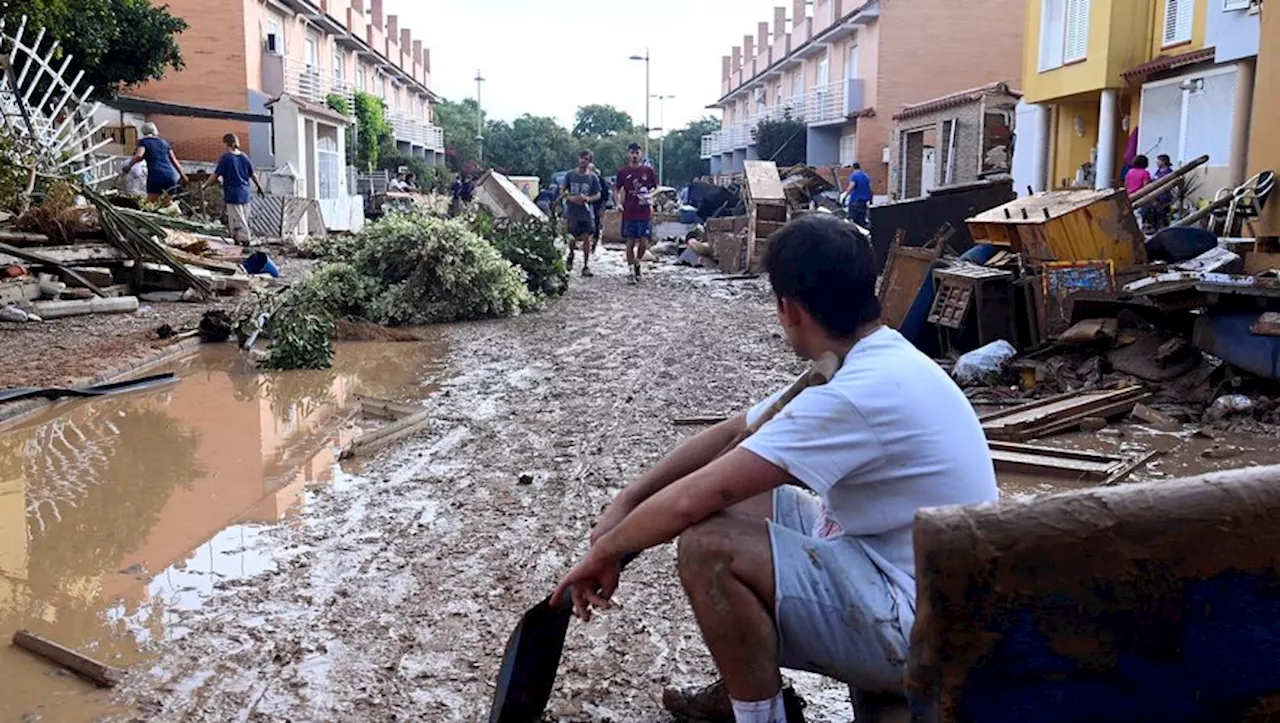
{"type": "Point", "coordinates": [791, 311]}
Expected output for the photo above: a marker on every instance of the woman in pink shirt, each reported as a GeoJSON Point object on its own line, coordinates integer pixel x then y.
{"type": "Point", "coordinates": [1134, 181]}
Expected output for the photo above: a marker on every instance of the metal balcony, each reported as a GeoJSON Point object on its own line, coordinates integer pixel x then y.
{"type": "Point", "coordinates": [281, 75]}
{"type": "Point", "coordinates": [416, 131]}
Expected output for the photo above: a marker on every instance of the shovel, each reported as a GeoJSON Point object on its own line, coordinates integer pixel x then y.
{"type": "Point", "coordinates": [528, 672]}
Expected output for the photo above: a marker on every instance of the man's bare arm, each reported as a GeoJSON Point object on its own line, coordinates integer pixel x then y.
{"type": "Point", "coordinates": [689, 457]}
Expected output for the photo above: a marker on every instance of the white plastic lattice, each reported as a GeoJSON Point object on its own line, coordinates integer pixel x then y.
{"type": "Point", "coordinates": [49, 117]}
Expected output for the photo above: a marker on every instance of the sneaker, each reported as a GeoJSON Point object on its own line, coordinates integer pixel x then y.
{"type": "Point", "coordinates": [586, 271]}
{"type": "Point", "coordinates": [568, 263]}
{"type": "Point", "coordinates": [635, 270]}
{"type": "Point", "coordinates": [711, 703]}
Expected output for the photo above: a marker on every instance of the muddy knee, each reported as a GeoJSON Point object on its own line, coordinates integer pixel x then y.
{"type": "Point", "coordinates": [702, 548]}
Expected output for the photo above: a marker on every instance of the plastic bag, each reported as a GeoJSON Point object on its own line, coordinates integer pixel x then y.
{"type": "Point", "coordinates": [985, 364]}
{"type": "Point", "coordinates": [1229, 404]}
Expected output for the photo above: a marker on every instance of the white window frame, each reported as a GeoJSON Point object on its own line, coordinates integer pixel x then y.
{"type": "Point", "coordinates": [1056, 50]}
{"type": "Point", "coordinates": [1179, 27]}
{"type": "Point", "coordinates": [1181, 155]}
{"type": "Point", "coordinates": [339, 65]}
{"type": "Point", "coordinates": [311, 53]}
{"type": "Point", "coordinates": [851, 62]}
{"type": "Point", "coordinates": [360, 78]}
{"type": "Point", "coordinates": [275, 26]}
{"type": "Point", "coordinates": [1233, 5]}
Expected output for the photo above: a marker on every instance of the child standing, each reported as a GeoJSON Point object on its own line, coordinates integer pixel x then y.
{"type": "Point", "coordinates": [235, 171]}
{"type": "Point", "coordinates": [1135, 180]}
{"type": "Point", "coordinates": [1164, 202]}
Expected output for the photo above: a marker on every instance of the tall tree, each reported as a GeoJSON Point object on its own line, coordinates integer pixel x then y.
{"type": "Point", "coordinates": [783, 141]}
{"type": "Point", "coordinates": [117, 43]}
{"type": "Point", "coordinates": [602, 121]}
{"type": "Point", "coordinates": [458, 120]}
{"type": "Point", "coordinates": [683, 152]}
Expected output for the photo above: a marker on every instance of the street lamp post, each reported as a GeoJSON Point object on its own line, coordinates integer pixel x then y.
{"type": "Point", "coordinates": [645, 58]}
{"type": "Point", "coordinates": [662, 139]}
{"type": "Point", "coordinates": [479, 122]}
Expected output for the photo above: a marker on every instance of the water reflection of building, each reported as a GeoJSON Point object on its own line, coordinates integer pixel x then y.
{"type": "Point", "coordinates": [96, 500]}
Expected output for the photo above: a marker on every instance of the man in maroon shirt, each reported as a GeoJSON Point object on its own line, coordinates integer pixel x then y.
{"type": "Point", "coordinates": [636, 183]}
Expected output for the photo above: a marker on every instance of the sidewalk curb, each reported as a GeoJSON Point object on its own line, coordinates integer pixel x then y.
{"type": "Point", "coordinates": [15, 412]}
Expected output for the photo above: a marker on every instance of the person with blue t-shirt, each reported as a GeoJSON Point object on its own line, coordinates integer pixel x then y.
{"type": "Point", "coordinates": [235, 171]}
{"type": "Point", "coordinates": [164, 172]}
{"type": "Point", "coordinates": [859, 195]}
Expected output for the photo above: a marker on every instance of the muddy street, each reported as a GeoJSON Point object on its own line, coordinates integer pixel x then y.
{"type": "Point", "coordinates": [225, 558]}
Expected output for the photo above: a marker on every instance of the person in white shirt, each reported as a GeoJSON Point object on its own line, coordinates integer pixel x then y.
{"type": "Point", "coordinates": [820, 580]}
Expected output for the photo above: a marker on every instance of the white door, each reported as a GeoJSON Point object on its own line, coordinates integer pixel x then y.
{"type": "Point", "coordinates": [928, 170]}
{"type": "Point", "coordinates": [312, 56]}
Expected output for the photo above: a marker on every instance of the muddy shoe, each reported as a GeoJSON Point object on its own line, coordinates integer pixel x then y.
{"type": "Point", "coordinates": [568, 262]}
{"type": "Point", "coordinates": [635, 271]}
{"type": "Point", "coordinates": [711, 703]}
{"type": "Point", "coordinates": [586, 271]}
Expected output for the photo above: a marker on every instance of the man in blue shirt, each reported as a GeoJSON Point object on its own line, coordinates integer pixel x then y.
{"type": "Point", "coordinates": [235, 171]}
{"type": "Point", "coordinates": [859, 195]}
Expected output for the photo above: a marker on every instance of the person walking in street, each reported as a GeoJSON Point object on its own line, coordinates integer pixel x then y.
{"type": "Point", "coordinates": [823, 579]}
{"type": "Point", "coordinates": [859, 195]}
{"type": "Point", "coordinates": [582, 188]}
{"type": "Point", "coordinates": [235, 172]}
{"type": "Point", "coordinates": [599, 206]}
{"type": "Point", "coordinates": [635, 183]}
{"type": "Point", "coordinates": [164, 172]}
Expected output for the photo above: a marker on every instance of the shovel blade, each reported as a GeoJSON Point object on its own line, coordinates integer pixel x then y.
{"type": "Point", "coordinates": [528, 672]}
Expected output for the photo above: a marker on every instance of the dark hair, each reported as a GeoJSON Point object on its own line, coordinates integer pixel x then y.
{"type": "Point", "coordinates": [827, 265]}
{"type": "Point", "coordinates": [1164, 157]}
{"type": "Point", "coordinates": [1141, 161]}
{"type": "Point", "coordinates": [585, 154]}
{"type": "Point", "coordinates": [857, 166]}
{"type": "Point", "coordinates": [232, 140]}
{"type": "Point", "coordinates": [633, 147]}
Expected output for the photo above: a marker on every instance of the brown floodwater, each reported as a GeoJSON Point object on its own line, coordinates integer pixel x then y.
{"type": "Point", "coordinates": [118, 513]}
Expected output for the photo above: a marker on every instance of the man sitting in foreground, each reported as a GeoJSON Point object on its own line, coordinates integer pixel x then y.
{"type": "Point", "coordinates": [778, 576]}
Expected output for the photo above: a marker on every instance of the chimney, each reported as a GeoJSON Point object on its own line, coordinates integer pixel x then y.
{"type": "Point", "coordinates": [726, 67]}
{"type": "Point", "coordinates": [358, 6]}
{"type": "Point", "coordinates": [393, 28]}
{"type": "Point", "coordinates": [748, 49]}
{"type": "Point", "coordinates": [417, 52]}
{"type": "Point", "coordinates": [737, 58]}
{"type": "Point", "coordinates": [375, 13]}
{"type": "Point", "coordinates": [798, 10]}
{"type": "Point", "coordinates": [779, 23]}
{"type": "Point", "coordinates": [762, 37]}
{"type": "Point", "coordinates": [406, 40]}
{"type": "Point", "coordinates": [426, 59]}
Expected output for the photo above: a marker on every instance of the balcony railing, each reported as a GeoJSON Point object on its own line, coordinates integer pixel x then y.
{"type": "Point", "coordinates": [409, 129]}
{"type": "Point", "coordinates": [282, 75]}
{"type": "Point", "coordinates": [829, 104]}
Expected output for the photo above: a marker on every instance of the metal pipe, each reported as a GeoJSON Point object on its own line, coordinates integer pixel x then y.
{"type": "Point", "coordinates": [1148, 194]}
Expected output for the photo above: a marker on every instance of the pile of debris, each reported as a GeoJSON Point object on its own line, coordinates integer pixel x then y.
{"type": "Point", "coordinates": [75, 252]}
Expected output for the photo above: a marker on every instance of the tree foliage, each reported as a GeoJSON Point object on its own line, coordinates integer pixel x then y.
{"type": "Point", "coordinates": [782, 141]}
{"type": "Point", "coordinates": [373, 130]}
{"type": "Point", "coordinates": [601, 121]}
{"type": "Point", "coordinates": [682, 159]}
{"type": "Point", "coordinates": [117, 43]}
{"type": "Point", "coordinates": [458, 121]}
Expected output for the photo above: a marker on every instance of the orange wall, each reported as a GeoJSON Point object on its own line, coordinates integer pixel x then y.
{"type": "Point", "coordinates": [1264, 145]}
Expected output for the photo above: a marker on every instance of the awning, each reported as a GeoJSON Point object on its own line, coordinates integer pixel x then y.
{"type": "Point", "coordinates": [130, 104]}
{"type": "Point", "coordinates": [1169, 62]}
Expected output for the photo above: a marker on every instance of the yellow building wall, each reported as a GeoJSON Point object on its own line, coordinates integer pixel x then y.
{"type": "Point", "coordinates": [1264, 142]}
{"type": "Point", "coordinates": [1120, 37]}
{"type": "Point", "coordinates": [1156, 47]}
{"type": "Point", "coordinates": [1073, 145]}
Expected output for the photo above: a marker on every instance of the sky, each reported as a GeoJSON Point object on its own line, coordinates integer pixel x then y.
{"type": "Point", "coordinates": [547, 57]}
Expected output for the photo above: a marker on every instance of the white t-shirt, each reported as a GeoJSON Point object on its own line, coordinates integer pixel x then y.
{"type": "Point", "coordinates": [888, 435]}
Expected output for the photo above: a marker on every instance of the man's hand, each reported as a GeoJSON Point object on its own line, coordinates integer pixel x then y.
{"type": "Point", "coordinates": [591, 583]}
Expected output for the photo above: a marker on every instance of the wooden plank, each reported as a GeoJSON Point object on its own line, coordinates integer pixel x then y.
{"type": "Point", "coordinates": [86, 254]}
{"type": "Point", "coordinates": [386, 410]}
{"type": "Point", "coordinates": [1060, 413]}
{"type": "Point", "coordinates": [763, 182]}
{"type": "Point", "coordinates": [379, 438]}
{"type": "Point", "coordinates": [104, 675]}
{"type": "Point", "coordinates": [1035, 459]}
{"type": "Point", "coordinates": [1030, 210]}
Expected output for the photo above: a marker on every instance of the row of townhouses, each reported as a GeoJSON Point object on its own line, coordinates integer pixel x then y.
{"type": "Point", "coordinates": [924, 93]}
{"type": "Point", "coordinates": [270, 71]}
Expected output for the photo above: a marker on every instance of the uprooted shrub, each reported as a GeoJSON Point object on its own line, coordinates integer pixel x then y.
{"type": "Point", "coordinates": [531, 245]}
{"type": "Point", "coordinates": [407, 269]}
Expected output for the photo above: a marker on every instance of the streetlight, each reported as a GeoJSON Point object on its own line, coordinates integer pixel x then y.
{"type": "Point", "coordinates": [662, 139]}
{"type": "Point", "coordinates": [645, 58]}
{"type": "Point", "coordinates": [479, 122]}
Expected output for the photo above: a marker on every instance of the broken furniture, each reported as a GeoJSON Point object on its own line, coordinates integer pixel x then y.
{"type": "Point", "coordinates": [497, 193]}
{"type": "Point", "coordinates": [973, 305]}
{"type": "Point", "coordinates": [767, 209]}
{"type": "Point", "coordinates": [920, 218]}
{"type": "Point", "coordinates": [728, 239]}
{"type": "Point", "coordinates": [1059, 413]}
{"type": "Point", "coordinates": [1066, 226]}
{"type": "Point", "coordinates": [1078, 465]}
{"type": "Point", "coordinates": [907, 273]}
{"type": "Point", "coordinates": [1141, 602]}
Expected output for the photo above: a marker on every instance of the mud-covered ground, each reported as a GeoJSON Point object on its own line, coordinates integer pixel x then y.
{"type": "Point", "coordinates": [394, 599]}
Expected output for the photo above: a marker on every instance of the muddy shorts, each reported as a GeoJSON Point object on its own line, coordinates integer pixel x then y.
{"type": "Point", "coordinates": [581, 226]}
{"type": "Point", "coordinates": [238, 222]}
{"type": "Point", "coordinates": [837, 614]}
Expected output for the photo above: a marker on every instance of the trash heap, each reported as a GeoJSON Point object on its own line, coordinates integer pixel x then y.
{"type": "Point", "coordinates": [70, 250]}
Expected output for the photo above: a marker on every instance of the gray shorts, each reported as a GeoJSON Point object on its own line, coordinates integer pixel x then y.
{"type": "Point", "coordinates": [836, 612]}
{"type": "Point", "coordinates": [238, 215]}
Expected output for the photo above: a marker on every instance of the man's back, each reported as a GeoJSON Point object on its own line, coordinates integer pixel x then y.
{"type": "Point", "coordinates": [236, 171]}
{"type": "Point", "coordinates": [891, 433]}
{"type": "Point", "coordinates": [859, 186]}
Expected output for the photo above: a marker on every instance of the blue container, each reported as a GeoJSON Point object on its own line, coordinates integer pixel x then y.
{"type": "Point", "coordinates": [260, 263]}
{"type": "Point", "coordinates": [688, 214]}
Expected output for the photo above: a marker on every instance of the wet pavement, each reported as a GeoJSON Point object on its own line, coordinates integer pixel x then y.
{"type": "Point", "coordinates": [203, 536]}
{"type": "Point", "coordinates": [118, 514]}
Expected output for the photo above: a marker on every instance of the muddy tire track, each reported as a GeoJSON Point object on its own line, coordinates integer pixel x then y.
{"type": "Point", "coordinates": [393, 597]}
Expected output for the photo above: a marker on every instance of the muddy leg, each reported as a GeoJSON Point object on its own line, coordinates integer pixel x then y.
{"type": "Point", "coordinates": [726, 567]}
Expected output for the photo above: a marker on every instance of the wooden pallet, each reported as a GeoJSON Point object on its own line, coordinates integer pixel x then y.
{"type": "Point", "coordinates": [1059, 414]}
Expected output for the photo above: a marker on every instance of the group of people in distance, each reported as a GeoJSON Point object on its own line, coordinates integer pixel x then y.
{"type": "Point", "coordinates": [585, 193]}
{"type": "Point", "coordinates": [1137, 177]}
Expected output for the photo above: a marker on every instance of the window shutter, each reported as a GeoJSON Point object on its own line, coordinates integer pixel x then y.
{"type": "Point", "coordinates": [1053, 20]}
{"type": "Point", "coordinates": [1077, 45]}
{"type": "Point", "coordinates": [1178, 18]}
